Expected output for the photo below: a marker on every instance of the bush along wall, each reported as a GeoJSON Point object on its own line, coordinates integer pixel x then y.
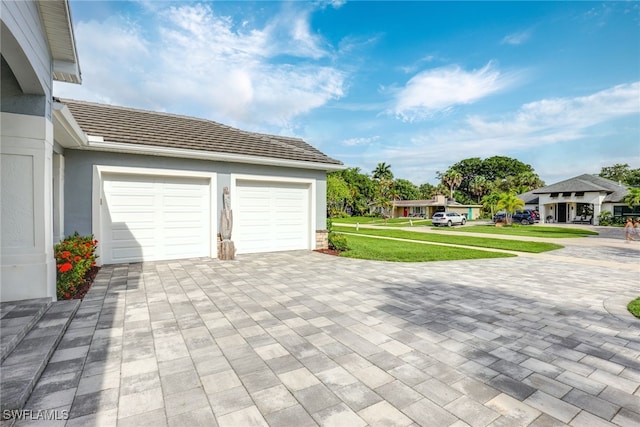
{"type": "Point", "coordinates": [75, 256]}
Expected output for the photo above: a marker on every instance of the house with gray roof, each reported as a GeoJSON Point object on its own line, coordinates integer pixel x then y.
{"type": "Point", "coordinates": [579, 199]}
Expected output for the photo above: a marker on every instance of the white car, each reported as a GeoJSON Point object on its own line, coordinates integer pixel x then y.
{"type": "Point", "coordinates": [448, 219]}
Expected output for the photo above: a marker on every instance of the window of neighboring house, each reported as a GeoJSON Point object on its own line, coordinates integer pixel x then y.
{"type": "Point", "coordinates": [579, 193]}
{"type": "Point", "coordinates": [552, 195]}
{"type": "Point", "coordinates": [625, 210]}
{"type": "Point", "coordinates": [566, 194]}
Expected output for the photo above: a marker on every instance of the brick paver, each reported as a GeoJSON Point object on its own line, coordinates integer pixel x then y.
{"type": "Point", "coordinates": [301, 338]}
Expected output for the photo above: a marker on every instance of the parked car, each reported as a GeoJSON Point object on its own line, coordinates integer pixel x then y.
{"type": "Point", "coordinates": [525, 217]}
{"type": "Point", "coordinates": [448, 219]}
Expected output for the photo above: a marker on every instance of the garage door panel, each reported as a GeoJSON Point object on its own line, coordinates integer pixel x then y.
{"type": "Point", "coordinates": [155, 217]}
{"type": "Point", "coordinates": [271, 216]}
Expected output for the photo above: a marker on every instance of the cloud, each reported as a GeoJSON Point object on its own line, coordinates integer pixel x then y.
{"type": "Point", "coordinates": [360, 141]}
{"type": "Point", "coordinates": [550, 121]}
{"type": "Point", "coordinates": [517, 38]}
{"type": "Point", "coordinates": [196, 62]}
{"type": "Point", "coordinates": [438, 90]}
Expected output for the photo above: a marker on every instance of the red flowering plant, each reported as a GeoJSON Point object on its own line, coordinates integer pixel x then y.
{"type": "Point", "coordinates": [75, 256]}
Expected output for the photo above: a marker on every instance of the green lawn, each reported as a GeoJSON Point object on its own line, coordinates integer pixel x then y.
{"type": "Point", "coordinates": [526, 230]}
{"type": "Point", "coordinates": [393, 250]}
{"type": "Point", "coordinates": [484, 242]}
{"type": "Point", "coordinates": [392, 222]}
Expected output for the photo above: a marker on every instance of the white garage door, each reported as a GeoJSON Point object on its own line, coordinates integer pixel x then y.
{"type": "Point", "coordinates": [271, 216]}
{"type": "Point", "coordinates": [150, 218]}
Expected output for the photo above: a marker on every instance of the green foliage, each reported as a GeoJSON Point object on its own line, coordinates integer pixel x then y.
{"type": "Point", "coordinates": [75, 256]}
{"type": "Point", "coordinates": [338, 195]}
{"type": "Point", "coordinates": [406, 189]}
{"type": "Point", "coordinates": [338, 242]}
{"type": "Point", "coordinates": [634, 307]}
{"type": "Point", "coordinates": [605, 218]}
{"type": "Point", "coordinates": [633, 197]}
{"type": "Point", "coordinates": [510, 203]}
{"type": "Point", "coordinates": [426, 191]}
{"type": "Point", "coordinates": [498, 173]}
{"type": "Point", "coordinates": [383, 171]}
{"type": "Point", "coordinates": [621, 173]}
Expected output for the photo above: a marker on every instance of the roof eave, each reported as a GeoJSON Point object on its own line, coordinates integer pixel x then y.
{"type": "Point", "coordinates": [56, 17]}
{"type": "Point", "coordinates": [66, 131]}
{"type": "Point", "coordinates": [97, 143]}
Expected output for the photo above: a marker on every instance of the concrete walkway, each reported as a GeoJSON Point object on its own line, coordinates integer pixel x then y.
{"type": "Point", "coordinates": [302, 338]}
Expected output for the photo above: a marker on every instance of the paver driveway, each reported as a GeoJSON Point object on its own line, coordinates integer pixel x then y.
{"type": "Point", "coordinates": [301, 338]}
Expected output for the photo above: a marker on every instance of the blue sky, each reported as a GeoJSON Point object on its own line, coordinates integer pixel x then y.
{"type": "Point", "coordinates": [418, 85]}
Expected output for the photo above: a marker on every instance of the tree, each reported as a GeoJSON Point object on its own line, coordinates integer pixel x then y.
{"type": "Point", "coordinates": [386, 196]}
{"type": "Point", "coordinates": [528, 181]}
{"type": "Point", "coordinates": [452, 179]}
{"type": "Point", "coordinates": [502, 173]}
{"type": "Point", "coordinates": [426, 191]}
{"type": "Point", "coordinates": [502, 167]}
{"type": "Point", "coordinates": [479, 186]}
{"type": "Point", "coordinates": [632, 198]}
{"type": "Point", "coordinates": [406, 189]}
{"type": "Point", "coordinates": [362, 188]}
{"type": "Point", "coordinates": [621, 173]}
{"type": "Point", "coordinates": [490, 202]}
{"type": "Point", "coordinates": [510, 203]}
{"type": "Point", "coordinates": [382, 171]}
{"type": "Point", "coordinates": [338, 194]}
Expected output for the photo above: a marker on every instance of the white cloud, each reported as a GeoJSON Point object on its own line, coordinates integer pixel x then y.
{"type": "Point", "coordinates": [517, 38]}
{"type": "Point", "coordinates": [360, 141]}
{"type": "Point", "coordinates": [543, 122]}
{"type": "Point", "coordinates": [440, 89]}
{"type": "Point", "coordinates": [196, 62]}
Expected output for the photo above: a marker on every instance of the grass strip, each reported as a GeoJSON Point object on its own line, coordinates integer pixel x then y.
{"type": "Point", "coordinates": [526, 230]}
{"type": "Point", "coordinates": [634, 307]}
{"type": "Point", "coordinates": [363, 247]}
{"type": "Point", "coordinates": [482, 242]}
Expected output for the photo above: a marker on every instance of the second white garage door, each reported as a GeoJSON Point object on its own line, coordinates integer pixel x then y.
{"type": "Point", "coordinates": [150, 218]}
{"type": "Point", "coordinates": [271, 216]}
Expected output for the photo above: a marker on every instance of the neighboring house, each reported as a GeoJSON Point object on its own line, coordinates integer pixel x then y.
{"type": "Point", "coordinates": [38, 46]}
{"type": "Point", "coordinates": [579, 198]}
{"type": "Point", "coordinates": [147, 185]}
{"type": "Point", "coordinates": [426, 208]}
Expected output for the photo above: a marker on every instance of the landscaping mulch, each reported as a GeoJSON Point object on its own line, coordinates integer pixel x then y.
{"type": "Point", "coordinates": [88, 281]}
{"type": "Point", "coordinates": [328, 251]}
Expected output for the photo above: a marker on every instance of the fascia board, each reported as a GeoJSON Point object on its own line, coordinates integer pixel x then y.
{"type": "Point", "coordinates": [67, 131]}
{"type": "Point", "coordinates": [95, 143]}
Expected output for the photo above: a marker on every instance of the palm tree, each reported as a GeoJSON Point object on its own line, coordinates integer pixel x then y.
{"type": "Point", "coordinates": [490, 201]}
{"type": "Point", "coordinates": [633, 197]}
{"type": "Point", "coordinates": [452, 179]}
{"type": "Point", "coordinates": [383, 171]}
{"type": "Point", "coordinates": [510, 203]}
{"type": "Point", "coordinates": [478, 186]}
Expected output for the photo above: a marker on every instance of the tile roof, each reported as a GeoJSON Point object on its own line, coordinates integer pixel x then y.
{"type": "Point", "coordinates": [147, 128]}
{"type": "Point", "coordinates": [587, 183]}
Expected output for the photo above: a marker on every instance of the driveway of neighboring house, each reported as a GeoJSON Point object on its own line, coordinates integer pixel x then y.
{"type": "Point", "coordinates": [302, 338]}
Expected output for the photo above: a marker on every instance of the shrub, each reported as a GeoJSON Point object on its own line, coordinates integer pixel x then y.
{"type": "Point", "coordinates": [605, 218]}
{"type": "Point", "coordinates": [75, 256]}
{"type": "Point", "coordinates": [338, 242]}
